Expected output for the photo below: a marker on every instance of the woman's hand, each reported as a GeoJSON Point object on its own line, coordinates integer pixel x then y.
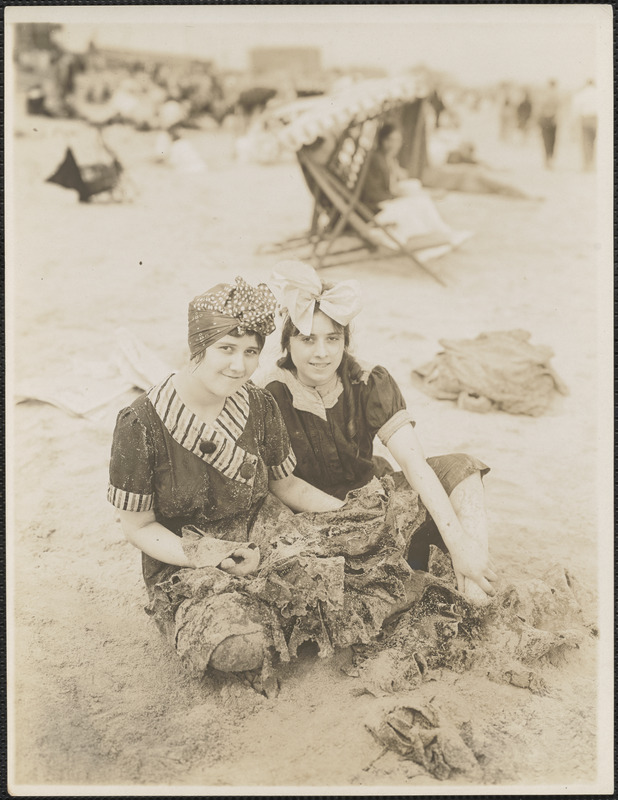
{"type": "Point", "coordinates": [471, 560]}
{"type": "Point", "coordinates": [243, 561]}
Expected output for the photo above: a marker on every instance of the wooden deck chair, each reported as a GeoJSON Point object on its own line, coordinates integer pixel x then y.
{"type": "Point", "coordinates": [339, 217]}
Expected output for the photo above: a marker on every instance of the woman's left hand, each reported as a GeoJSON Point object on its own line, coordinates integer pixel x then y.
{"type": "Point", "coordinates": [243, 561]}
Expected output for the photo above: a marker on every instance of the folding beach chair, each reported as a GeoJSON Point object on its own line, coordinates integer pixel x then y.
{"type": "Point", "coordinates": [343, 229]}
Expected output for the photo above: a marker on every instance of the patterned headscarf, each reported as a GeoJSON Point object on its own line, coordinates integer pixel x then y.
{"type": "Point", "coordinates": [224, 308]}
{"type": "Point", "coordinates": [299, 288]}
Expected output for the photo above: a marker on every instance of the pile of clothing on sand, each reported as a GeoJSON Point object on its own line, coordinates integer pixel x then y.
{"type": "Point", "coordinates": [498, 371]}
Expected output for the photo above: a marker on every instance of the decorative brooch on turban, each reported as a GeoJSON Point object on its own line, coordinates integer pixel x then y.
{"type": "Point", "coordinates": [298, 288]}
{"type": "Point", "coordinates": [224, 308]}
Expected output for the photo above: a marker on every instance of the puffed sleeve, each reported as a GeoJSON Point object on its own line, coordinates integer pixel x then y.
{"type": "Point", "coordinates": [384, 406]}
{"type": "Point", "coordinates": [276, 449]}
{"type": "Point", "coordinates": [131, 468]}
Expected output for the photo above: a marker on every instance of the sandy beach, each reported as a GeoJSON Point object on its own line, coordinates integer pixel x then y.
{"type": "Point", "coordinates": [97, 696]}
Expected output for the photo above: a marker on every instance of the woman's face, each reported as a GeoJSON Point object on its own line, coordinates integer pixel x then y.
{"type": "Point", "coordinates": [392, 144]}
{"type": "Point", "coordinates": [228, 364]}
{"type": "Point", "coordinates": [317, 356]}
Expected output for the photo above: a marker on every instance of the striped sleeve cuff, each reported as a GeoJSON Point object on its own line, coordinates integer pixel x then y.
{"type": "Point", "coordinates": [397, 421]}
{"type": "Point", "coordinates": [129, 501]}
{"type": "Point", "coordinates": [284, 469]}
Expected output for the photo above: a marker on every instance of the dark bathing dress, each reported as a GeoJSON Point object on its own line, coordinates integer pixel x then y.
{"type": "Point", "coordinates": [157, 464]}
{"type": "Point", "coordinates": [327, 459]}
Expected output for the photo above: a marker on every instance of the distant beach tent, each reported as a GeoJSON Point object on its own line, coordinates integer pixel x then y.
{"type": "Point", "coordinates": [90, 179]}
{"type": "Point", "coordinates": [86, 180]}
{"type": "Point", "coordinates": [333, 136]}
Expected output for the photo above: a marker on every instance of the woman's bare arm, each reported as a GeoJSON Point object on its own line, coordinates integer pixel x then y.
{"type": "Point", "coordinates": [144, 532]}
{"type": "Point", "coordinates": [299, 495]}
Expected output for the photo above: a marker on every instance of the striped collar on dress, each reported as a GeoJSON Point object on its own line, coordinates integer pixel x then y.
{"type": "Point", "coordinates": [189, 431]}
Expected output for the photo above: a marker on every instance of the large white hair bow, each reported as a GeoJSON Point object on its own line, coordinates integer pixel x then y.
{"type": "Point", "coordinates": [298, 288]}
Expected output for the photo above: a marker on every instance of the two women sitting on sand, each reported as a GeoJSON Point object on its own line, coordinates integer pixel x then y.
{"type": "Point", "coordinates": [259, 512]}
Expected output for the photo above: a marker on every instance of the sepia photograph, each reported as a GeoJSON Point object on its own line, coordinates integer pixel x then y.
{"type": "Point", "coordinates": [309, 402]}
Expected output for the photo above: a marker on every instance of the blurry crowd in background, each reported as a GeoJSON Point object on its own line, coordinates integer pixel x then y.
{"type": "Point", "coordinates": [169, 93]}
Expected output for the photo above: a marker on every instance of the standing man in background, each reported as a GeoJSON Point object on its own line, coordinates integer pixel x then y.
{"type": "Point", "coordinates": [585, 109]}
{"type": "Point", "coordinates": [548, 121]}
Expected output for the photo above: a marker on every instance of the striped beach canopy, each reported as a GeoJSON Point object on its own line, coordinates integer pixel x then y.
{"type": "Point", "coordinates": [301, 123]}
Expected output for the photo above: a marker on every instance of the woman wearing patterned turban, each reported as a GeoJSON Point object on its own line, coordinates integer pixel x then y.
{"type": "Point", "coordinates": [194, 461]}
{"type": "Point", "coordinates": [334, 408]}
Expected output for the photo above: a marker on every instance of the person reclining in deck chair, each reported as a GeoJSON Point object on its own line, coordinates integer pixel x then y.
{"type": "Point", "coordinates": [400, 203]}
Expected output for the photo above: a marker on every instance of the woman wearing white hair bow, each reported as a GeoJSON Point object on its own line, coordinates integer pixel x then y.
{"type": "Point", "coordinates": [333, 409]}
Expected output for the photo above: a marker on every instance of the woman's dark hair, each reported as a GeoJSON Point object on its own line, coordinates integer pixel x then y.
{"type": "Point", "coordinates": [199, 357]}
{"type": "Point", "coordinates": [385, 131]}
{"type": "Point", "coordinates": [349, 370]}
